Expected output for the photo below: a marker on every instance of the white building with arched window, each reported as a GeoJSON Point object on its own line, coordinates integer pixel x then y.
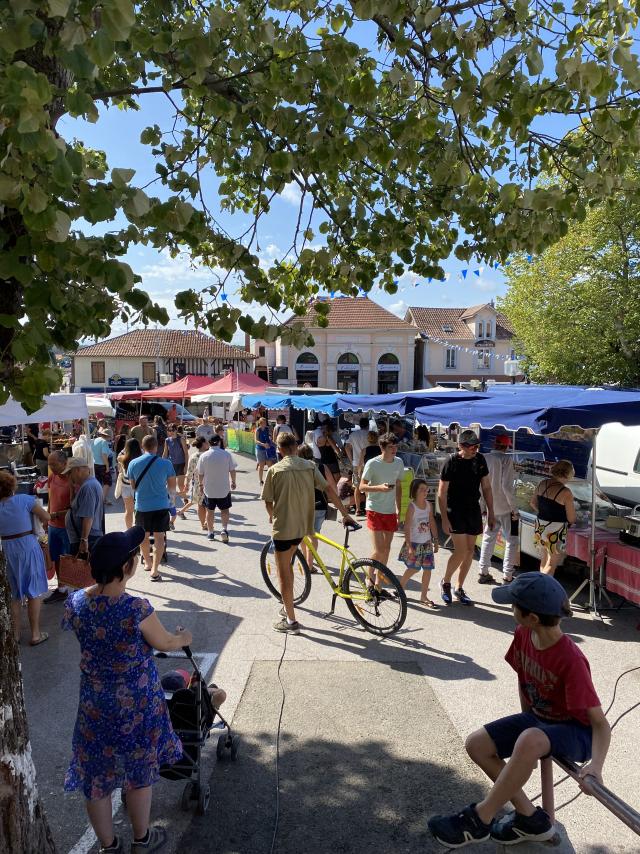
{"type": "Point", "coordinates": [365, 349]}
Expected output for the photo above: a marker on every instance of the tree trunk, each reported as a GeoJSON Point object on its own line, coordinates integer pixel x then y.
{"type": "Point", "coordinates": [23, 823]}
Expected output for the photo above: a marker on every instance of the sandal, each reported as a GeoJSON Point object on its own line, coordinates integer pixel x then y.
{"type": "Point", "coordinates": [157, 577]}
{"type": "Point", "coordinates": [43, 637]}
{"type": "Point", "coordinates": [429, 603]}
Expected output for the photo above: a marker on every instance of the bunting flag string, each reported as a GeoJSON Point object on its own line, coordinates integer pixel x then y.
{"type": "Point", "coordinates": [473, 350]}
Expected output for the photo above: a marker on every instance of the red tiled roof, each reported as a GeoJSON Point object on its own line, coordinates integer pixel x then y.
{"type": "Point", "coordinates": [431, 322]}
{"type": "Point", "coordinates": [167, 343]}
{"type": "Point", "coordinates": [352, 313]}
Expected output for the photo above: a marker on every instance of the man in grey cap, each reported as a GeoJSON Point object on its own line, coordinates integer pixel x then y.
{"type": "Point", "coordinates": [461, 479]}
{"type": "Point", "coordinates": [85, 518]}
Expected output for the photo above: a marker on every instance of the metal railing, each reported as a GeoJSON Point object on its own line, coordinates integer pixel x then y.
{"type": "Point", "coordinates": [601, 793]}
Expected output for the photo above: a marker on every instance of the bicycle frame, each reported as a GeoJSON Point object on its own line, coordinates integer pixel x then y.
{"type": "Point", "coordinates": [347, 560]}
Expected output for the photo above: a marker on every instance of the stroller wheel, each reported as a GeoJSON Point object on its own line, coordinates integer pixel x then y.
{"type": "Point", "coordinates": [235, 744]}
{"type": "Point", "coordinates": [188, 795]}
{"type": "Point", "coordinates": [203, 800]}
{"type": "Point", "coordinates": [221, 746]}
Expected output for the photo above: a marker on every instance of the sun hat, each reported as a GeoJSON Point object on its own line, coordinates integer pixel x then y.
{"type": "Point", "coordinates": [534, 591]}
{"type": "Point", "coordinates": [113, 550]}
{"type": "Point", "coordinates": [75, 463]}
{"type": "Point", "coordinates": [468, 437]}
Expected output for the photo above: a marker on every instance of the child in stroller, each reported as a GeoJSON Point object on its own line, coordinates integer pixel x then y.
{"type": "Point", "coordinates": [193, 707]}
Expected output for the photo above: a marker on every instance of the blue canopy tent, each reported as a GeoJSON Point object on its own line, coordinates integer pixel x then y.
{"type": "Point", "coordinates": [401, 403]}
{"type": "Point", "coordinates": [545, 409]}
{"type": "Point", "coordinates": [318, 402]}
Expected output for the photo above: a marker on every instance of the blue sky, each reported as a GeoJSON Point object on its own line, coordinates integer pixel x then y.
{"type": "Point", "coordinates": [117, 132]}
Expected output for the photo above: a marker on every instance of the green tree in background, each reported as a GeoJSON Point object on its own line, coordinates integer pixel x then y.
{"type": "Point", "coordinates": [410, 129]}
{"type": "Point", "coordinates": [576, 308]}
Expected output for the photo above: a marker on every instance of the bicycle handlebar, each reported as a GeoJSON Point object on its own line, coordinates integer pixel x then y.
{"type": "Point", "coordinates": [352, 526]}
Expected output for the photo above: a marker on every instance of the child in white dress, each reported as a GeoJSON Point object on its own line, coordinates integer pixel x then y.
{"type": "Point", "coordinates": [420, 539]}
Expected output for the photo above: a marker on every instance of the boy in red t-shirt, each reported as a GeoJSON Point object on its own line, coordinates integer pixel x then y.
{"type": "Point", "coordinates": [561, 716]}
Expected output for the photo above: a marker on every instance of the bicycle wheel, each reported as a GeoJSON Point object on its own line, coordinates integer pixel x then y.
{"type": "Point", "coordinates": [382, 610]}
{"type": "Point", "coordinates": [301, 574]}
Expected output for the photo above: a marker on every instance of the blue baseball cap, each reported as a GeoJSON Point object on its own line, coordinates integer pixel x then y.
{"type": "Point", "coordinates": [534, 591]}
{"type": "Point", "coordinates": [113, 550]}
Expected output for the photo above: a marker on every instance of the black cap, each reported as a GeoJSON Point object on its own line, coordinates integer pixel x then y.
{"type": "Point", "coordinates": [113, 550]}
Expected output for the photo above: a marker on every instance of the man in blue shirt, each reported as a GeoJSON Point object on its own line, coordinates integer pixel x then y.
{"type": "Point", "coordinates": [101, 451]}
{"type": "Point", "coordinates": [153, 480]}
{"type": "Point", "coordinates": [85, 518]}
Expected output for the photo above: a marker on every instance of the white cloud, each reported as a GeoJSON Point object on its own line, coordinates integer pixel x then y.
{"type": "Point", "coordinates": [178, 271]}
{"type": "Point", "coordinates": [399, 308]}
{"type": "Point", "coordinates": [291, 194]}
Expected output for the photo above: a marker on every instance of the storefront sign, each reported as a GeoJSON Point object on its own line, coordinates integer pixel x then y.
{"type": "Point", "coordinates": [306, 366]}
{"type": "Point", "coordinates": [391, 368]}
{"type": "Point", "coordinates": [116, 381]}
{"type": "Point", "coordinates": [348, 368]}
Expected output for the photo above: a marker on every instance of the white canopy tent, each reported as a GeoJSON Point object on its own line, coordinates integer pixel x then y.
{"type": "Point", "coordinates": [100, 406]}
{"type": "Point", "coordinates": [57, 407]}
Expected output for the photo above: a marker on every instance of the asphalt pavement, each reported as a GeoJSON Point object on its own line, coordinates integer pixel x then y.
{"type": "Point", "coordinates": [372, 730]}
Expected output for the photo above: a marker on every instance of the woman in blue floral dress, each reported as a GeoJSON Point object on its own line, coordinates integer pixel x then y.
{"type": "Point", "coordinates": [123, 733]}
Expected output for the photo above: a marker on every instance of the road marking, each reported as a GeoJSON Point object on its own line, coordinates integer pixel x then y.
{"type": "Point", "coordinates": [88, 838]}
{"type": "Point", "coordinates": [205, 662]}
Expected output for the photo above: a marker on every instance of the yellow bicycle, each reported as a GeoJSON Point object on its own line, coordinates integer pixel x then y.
{"type": "Point", "coordinates": [381, 607]}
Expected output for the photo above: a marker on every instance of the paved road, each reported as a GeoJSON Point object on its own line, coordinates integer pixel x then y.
{"type": "Point", "coordinates": [409, 702]}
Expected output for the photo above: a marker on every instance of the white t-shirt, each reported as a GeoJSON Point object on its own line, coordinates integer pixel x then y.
{"type": "Point", "coordinates": [282, 428]}
{"type": "Point", "coordinates": [358, 441]}
{"type": "Point", "coordinates": [205, 430]}
{"type": "Point", "coordinates": [502, 476]}
{"type": "Point", "coordinates": [214, 466]}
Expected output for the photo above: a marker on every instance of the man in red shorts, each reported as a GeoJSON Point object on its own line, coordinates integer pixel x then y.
{"type": "Point", "coordinates": [382, 484]}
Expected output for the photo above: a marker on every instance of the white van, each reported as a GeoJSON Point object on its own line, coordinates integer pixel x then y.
{"type": "Point", "coordinates": [618, 463]}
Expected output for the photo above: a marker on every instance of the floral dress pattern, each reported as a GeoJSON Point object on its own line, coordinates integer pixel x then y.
{"type": "Point", "coordinates": [123, 733]}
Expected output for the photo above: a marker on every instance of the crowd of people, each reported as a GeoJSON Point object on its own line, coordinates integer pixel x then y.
{"type": "Point", "coordinates": [123, 733]}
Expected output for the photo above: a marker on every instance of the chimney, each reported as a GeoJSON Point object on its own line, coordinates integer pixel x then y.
{"type": "Point", "coordinates": [247, 342]}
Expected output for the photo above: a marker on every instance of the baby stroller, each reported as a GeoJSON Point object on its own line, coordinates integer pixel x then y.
{"type": "Point", "coordinates": [192, 716]}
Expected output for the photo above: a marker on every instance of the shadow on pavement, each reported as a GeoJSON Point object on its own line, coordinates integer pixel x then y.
{"type": "Point", "coordinates": [349, 780]}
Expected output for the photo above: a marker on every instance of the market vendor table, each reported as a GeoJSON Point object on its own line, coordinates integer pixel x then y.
{"type": "Point", "coordinates": [578, 544]}
{"type": "Point", "coordinates": [623, 570]}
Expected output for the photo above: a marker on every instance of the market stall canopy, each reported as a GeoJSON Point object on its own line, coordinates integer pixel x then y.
{"type": "Point", "coordinates": [100, 405]}
{"type": "Point", "coordinates": [232, 383]}
{"type": "Point", "coordinates": [318, 402]}
{"type": "Point", "coordinates": [542, 409]}
{"type": "Point", "coordinates": [403, 402]}
{"type": "Point", "coordinates": [57, 407]}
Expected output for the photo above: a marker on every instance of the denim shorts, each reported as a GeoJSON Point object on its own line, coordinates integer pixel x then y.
{"type": "Point", "coordinates": [569, 739]}
{"type": "Point", "coordinates": [318, 519]}
{"type": "Point", "coordinates": [58, 542]}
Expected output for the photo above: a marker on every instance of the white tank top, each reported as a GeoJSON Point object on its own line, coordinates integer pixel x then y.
{"type": "Point", "coordinates": [420, 531]}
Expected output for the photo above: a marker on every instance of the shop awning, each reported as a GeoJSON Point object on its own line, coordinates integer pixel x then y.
{"type": "Point", "coordinates": [57, 407]}
{"type": "Point", "coordinates": [542, 409]}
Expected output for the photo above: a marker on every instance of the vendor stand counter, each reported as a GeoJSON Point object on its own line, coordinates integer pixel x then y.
{"type": "Point", "coordinates": [622, 570]}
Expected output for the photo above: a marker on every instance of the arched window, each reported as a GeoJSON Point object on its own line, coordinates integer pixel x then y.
{"type": "Point", "coordinates": [388, 373]}
{"type": "Point", "coordinates": [388, 359]}
{"type": "Point", "coordinates": [347, 373]}
{"type": "Point", "coordinates": [307, 370]}
{"type": "Point", "coordinates": [348, 359]}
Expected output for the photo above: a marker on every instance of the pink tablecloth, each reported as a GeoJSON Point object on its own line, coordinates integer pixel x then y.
{"type": "Point", "coordinates": [578, 544]}
{"type": "Point", "coordinates": [623, 571]}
